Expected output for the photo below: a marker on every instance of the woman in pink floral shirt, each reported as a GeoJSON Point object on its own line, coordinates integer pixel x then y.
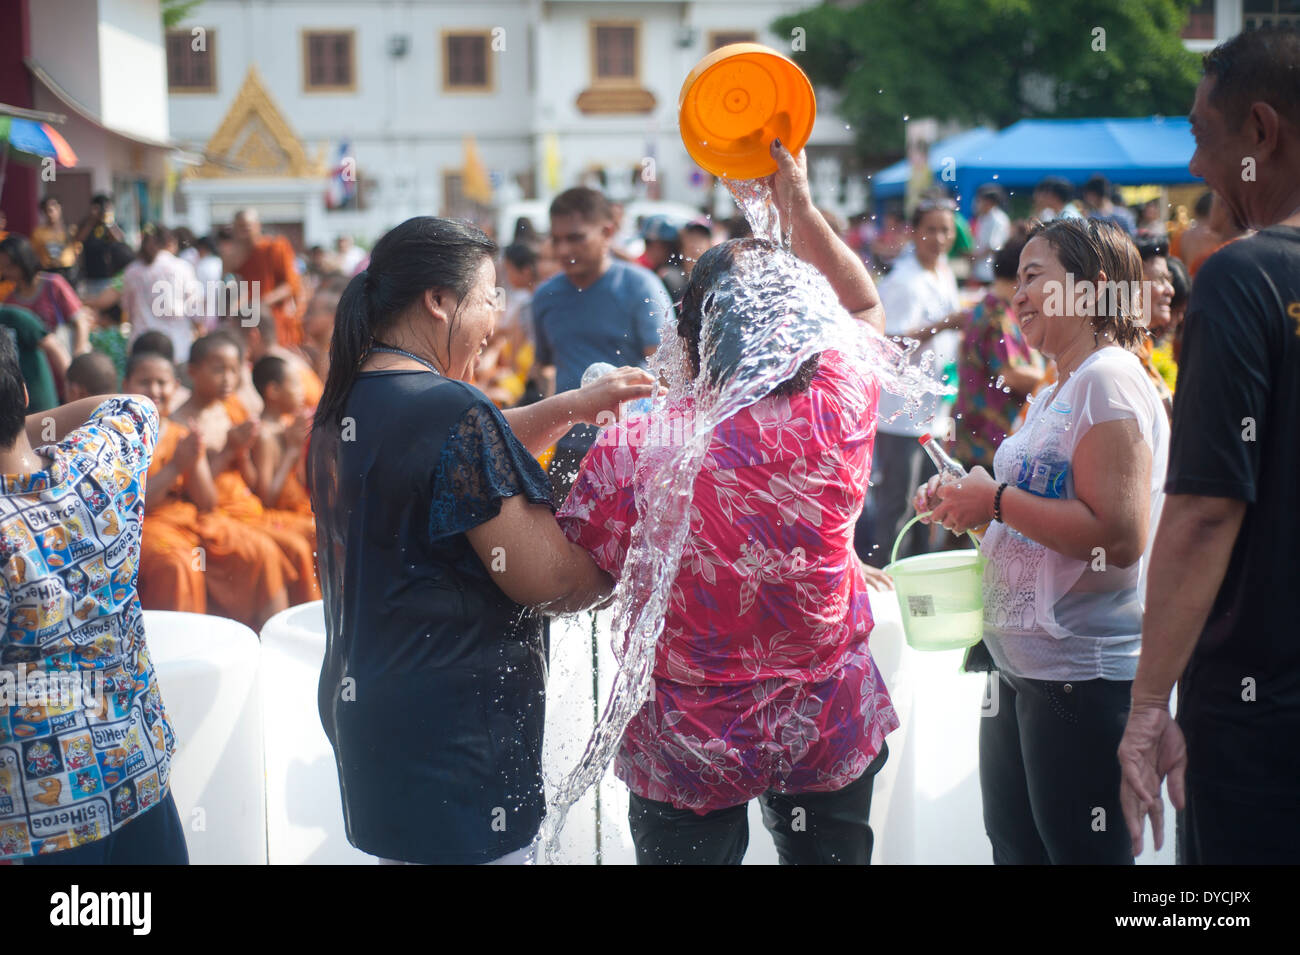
{"type": "Point", "coordinates": [764, 685]}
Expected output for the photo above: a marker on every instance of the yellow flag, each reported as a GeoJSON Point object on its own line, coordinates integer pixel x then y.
{"type": "Point", "coordinates": [475, 184]}
{"type": "Point", "coordinates": [551, 162]}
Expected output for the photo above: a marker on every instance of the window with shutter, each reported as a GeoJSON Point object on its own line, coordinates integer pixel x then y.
{"type": "Point", "coordinates": [329, 63]}
{"type": "Point", "coordinates": [190, 61]}
{"type": "Point", "coordinates": [615, 53]}
{"type": "Point", "coordinates": [466, 61]}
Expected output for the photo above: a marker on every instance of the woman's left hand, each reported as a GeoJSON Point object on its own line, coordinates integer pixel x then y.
{"type": "Point", "coordinates": [598, 403]}
{"type": "Point", "coordinates": [876, 579]}
{"type": "Point", "coordinates": [965, 503]}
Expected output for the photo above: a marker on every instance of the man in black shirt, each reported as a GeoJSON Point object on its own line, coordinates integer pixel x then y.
{"type": "Point", "coordinates": [1223, 596]}
{"type": "Point", "coordinates": [104, 252]}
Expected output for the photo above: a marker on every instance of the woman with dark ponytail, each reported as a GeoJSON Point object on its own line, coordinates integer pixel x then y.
{"type": "Point", "coordinates": [437, 548]}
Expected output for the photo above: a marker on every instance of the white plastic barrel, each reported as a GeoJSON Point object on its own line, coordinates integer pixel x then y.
{"type": "Point", "coordinates": [208, 672]}
{"type": "Point", "coordinates": [304, 812]}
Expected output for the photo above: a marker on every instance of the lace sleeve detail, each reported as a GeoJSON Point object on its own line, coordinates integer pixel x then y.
{"type": "Point", "coordinates": [481, 464]}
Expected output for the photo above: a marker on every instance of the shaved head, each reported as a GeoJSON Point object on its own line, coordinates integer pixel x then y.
{"type": "Point", "coordinates": [248, 224]}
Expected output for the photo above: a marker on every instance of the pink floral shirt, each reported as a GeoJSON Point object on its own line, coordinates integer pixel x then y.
{"type": "Point", "coordinates": [763, 679]}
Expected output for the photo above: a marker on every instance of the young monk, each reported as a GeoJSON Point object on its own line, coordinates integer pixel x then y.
{"type": "Point", "coordinates": [280, 453]}
{"type": "Point", "coordinates": [257, 347]}
{"type": "Point", "coordinates": [230, 433]}
{"type": "Point", "coordinates": [193, 557]}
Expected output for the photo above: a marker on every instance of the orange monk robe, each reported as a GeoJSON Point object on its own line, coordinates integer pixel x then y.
{"type": "Point", "coordinates": [239, 569]}
{"type": "Point", "coordinates": [312, 387]}
{"type": "Point", "coordinates": [170, 577]}
{"type": "Point", "coordinates": [293, 495]}
{"type": "Point", "coordinates": [271, 264]}
{"type": "Point", "coordinates": [294, 534]}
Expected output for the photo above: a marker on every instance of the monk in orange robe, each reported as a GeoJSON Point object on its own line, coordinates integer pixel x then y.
{"type": "Point", "coordinates": [281, 450]}
{"type": "Point", "coordinates": [192, 557]}
{"type": "Point", "coordinates": [270, 263]}
{"type": "Point", "coordinates": [215, 412]}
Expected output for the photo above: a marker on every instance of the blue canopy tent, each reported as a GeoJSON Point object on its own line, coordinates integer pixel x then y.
{"type": "Point", "coordinates": [1150, 150]}
{"type": "Point", "coordinates": [892, 180]}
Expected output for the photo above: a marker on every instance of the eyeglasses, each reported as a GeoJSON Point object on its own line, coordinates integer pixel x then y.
{"type": "Point", "coordinates": [936, 205]}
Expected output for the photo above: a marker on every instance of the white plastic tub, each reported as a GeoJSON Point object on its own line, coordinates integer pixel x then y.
{"type": "Point", "coordinates": [208, 671]}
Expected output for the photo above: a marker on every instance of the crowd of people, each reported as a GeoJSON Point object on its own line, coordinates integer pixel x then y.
{"type": "Point", "coordinates": [974, 342]}
{"type": "Point", "coordinates": [229, 338]}
{"type": "Point", "coordinates": [384, 431]}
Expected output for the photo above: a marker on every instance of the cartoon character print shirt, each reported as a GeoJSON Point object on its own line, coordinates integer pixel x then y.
{"type": "Point", "coordinates": [85, 745]}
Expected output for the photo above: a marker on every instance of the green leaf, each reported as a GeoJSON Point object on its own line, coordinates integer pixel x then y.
{"type": "Point", "coordinates": [175, 12]}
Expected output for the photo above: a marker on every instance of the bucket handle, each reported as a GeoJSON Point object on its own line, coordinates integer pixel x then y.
{"type": "Point", "coordinates": [908, 526]}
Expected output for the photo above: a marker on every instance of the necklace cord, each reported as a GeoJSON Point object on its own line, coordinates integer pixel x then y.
{"type": "Point", "coordinates": [393, 350]}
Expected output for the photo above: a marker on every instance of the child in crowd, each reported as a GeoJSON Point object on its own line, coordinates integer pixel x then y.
{"type": "Point", "coordinates": [281, 449]}
{"type": "Point", "coordinates": [157, 343]}
{"type": "Point", "coordinates": [91, 374]}
{"type": "Point", "coordinates": [230, 432]}
{"type": "Point", "coordinates": [194, 557]}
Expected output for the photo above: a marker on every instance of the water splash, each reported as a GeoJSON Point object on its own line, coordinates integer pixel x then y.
{"type": "Point", "coordinates": [753, 197]}
{"type": "Point", "coordinates": [761, 320]}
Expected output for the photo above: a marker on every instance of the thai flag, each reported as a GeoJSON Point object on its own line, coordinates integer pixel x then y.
{"type": "Point", "coordinates": [342, 189]}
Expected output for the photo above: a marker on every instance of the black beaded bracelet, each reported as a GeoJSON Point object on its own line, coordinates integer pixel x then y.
{"type": "Point", "coordinates": [997, 501]}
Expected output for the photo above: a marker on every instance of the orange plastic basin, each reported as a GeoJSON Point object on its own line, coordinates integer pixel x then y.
{"type": "Point", "coordinates": [736, 101]}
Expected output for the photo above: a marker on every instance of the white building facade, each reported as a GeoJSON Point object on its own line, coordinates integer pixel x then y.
{"type": "Point", "coordinates": [101, 63]}
{"type": "Point", "coordinates": [553, 93]}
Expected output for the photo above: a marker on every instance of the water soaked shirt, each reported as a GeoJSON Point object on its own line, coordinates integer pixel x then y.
{"type": "Point", "coordinates": [85, 745]}
{"type": "Point", "coordinates": [1048, 616]}
{"type": "Point", "coordinates": [763, 677]}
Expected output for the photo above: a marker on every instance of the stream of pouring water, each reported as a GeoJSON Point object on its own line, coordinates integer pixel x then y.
{"type": "Point", "coordinates": [760, 322]}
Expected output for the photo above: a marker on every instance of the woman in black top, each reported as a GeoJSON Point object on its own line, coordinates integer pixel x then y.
{"type": "Point", "coordinates": [437, 546]}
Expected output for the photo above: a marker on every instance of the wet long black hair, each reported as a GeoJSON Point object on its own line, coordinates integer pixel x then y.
{"type": "Point", "coordinates": [712, 267]}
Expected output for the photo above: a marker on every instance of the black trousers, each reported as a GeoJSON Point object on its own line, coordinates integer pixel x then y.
{"type": "Point", "coordinates": [808, 828]}
{"type": "Point", "coordinates": [1216, 830]}
{"type": "Point", "coordinates": [1049, 773]}
{"type": "Point", "coordinates": [155, 837]}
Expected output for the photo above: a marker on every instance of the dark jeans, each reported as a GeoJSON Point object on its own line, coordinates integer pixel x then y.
{"type": "Point", "coordinates": [1049, 774]}
{"type": "Point", "coordinates": [808, 828]}
{"type": "Point", "coordinates": [898, 468]}
{"type": "Point", "coordinates": [1214, 830]}
{"type": "Point", "coordinates": [155, 837]}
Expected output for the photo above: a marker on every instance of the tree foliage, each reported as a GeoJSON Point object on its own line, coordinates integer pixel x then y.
{"type": "Point", "coordinates": [995, 61]}
{"type": "Point", "coordinates": [174, 12]}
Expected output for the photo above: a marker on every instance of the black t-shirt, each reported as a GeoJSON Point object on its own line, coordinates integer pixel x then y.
{"type": "Point", "coordinates": [103, 255]}
{"type": "Point", "coordinates": [433, 688]}
{"type": "Point", "coordinates": [1236, 434]}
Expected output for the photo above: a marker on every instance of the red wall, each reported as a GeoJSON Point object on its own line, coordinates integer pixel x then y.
{"type": "Point", "coordinates": [20, 186]}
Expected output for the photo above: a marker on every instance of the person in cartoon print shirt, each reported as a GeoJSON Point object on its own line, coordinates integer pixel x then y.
{"type": "Point", "coordinates": [86, 784]}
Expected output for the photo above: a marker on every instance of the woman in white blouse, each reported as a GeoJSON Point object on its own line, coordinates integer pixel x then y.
{"type": "Point", "coordinates": [1074, 501]}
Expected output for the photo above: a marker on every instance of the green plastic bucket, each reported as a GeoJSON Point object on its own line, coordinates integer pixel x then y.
{"type": "Point", "coordinates": [940, 596]}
